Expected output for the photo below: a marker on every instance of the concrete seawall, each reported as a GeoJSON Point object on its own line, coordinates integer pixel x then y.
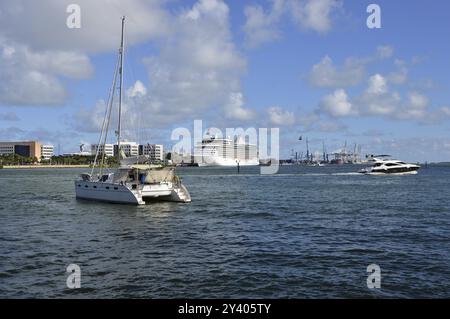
{"type": "Point", "coordinates": [43, 166]}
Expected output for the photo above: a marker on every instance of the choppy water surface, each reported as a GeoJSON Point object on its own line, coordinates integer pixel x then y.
{"type": "Point", "coordinates": [306, 232]}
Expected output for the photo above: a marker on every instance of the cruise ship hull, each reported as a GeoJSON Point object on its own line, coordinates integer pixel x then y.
{"type": "Point", "coordinates": [217, 151]}
{"type": "Point", "coordinates": [230, 162]}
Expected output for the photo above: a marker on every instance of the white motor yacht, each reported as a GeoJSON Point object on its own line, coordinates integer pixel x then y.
{"type": "Point", "coordinates": [383, 166]}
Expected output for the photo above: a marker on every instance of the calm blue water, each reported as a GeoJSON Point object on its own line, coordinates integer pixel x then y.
{"type": "Point", "coordinates": [304, 233]}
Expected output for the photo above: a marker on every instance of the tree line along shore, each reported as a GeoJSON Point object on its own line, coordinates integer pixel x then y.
{"type": "Point", "coordinates": [73, 161]}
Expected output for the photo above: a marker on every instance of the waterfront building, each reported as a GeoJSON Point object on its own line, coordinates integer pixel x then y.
{"type": "Point", "coordinates": [154, 151]}
{"type": "Point", "coordinates": [25, 149]}
{"type": "Point", "coordinates": [107, 148]}
{"type": "Point", "coordinates": [129, 148]}
{"type": "Point", "coordinates": [47, 151]}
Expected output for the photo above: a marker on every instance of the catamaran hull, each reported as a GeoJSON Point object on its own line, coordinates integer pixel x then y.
{"type": "Point", "coordinates": [121, 194]}
{"type": "Point", "coordinates": [106, 192]}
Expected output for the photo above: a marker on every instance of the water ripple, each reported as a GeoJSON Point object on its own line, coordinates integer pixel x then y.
{"type": "Point", "coordinates": [304, 233]}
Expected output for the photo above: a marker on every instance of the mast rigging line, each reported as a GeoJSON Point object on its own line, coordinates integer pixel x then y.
{"type": "Point", "coordinates": [106, 119]}
{"type": "Point", "coordinates": [122, 53]}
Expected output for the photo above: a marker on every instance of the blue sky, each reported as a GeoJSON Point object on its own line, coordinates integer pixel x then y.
{"type": "Point", "coordinates": [311, 68]}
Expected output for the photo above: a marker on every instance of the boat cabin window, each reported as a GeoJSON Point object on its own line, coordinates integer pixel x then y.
{"type": "Point", "coordinates": [377, 164]}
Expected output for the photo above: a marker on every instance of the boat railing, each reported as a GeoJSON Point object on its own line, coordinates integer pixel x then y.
{"type": "Point", "coordinates": [86, 177]}
{"type": "Point", "coordinates": [176, 180]}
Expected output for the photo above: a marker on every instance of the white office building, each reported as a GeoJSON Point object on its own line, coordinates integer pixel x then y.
{"type": "Point", "coordinates": [6, 149]}
{"type": "Point", "coordinates": [154, 151]}
{"type": "Point", "coordinates": [108, 149]}
{"type": "Point", "coordinates": [47, 151]}
{"type": "Point", "coordinates": [129, 148]}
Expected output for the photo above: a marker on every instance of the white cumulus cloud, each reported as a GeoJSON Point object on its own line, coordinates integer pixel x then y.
{"type": "Point", "coordinates": [262, 25]}
{"type": "Point", "coordinates": [42, 24]}
{"type": "Point", "coordinates": [314, 14]}
{"type": "Point", "coordinates": [377, 85]}
{"type": "Point", "coordinates": [399, 76]}
{"type": "Point", "coordinates": [385, 51]}
{"type": "Point", "coordinates": [326, 74]}
{"type": "Point", "coordinates": [379, 100]}
{"type": "Point", "coordinates": [279, 116]}
{"type": "Point", "coordinates": [195, 75]}
{"type": "Point", "coordinates": [138, 89]}
{"type": "Point", "coordinates": [38, 50]}
{"type": "Point", "coordinates": [34, 78]}
{"type": "Point", "coordinates": [234, 109]}
{"type": "Point", "coordinates": [337, 104]}
{"type": "Point", "coordinates": [198, 67]}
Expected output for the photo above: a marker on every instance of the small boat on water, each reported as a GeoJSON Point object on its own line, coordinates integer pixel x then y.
{"type": "Point", "coordinates": [136, 181]}
{"type": "Point", "coordinates": [317, 164]}
{"type": "Point", "coordinates": [383, 166]}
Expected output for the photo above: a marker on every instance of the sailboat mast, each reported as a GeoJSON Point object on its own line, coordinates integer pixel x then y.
{"type": "Point", "coordinates": [324, 151]}
{"type": "Point", "coordinates": [122, 52]}
{"type": "Point", "coordinates": [307, 149]}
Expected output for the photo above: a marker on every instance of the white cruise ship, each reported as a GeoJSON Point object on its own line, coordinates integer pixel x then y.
{"type": "Point", "coordinates": [218, 151]}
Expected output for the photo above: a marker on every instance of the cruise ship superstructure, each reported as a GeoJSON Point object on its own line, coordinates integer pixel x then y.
{"type": "Point", "coordinates": [217, 151]}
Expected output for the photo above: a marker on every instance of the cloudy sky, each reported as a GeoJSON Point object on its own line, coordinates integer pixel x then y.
{"type": "Point", "coordinates": [310, 67]}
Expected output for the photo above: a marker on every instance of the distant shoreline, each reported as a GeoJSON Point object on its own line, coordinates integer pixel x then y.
{"type": "Point", "coordinates": [424, 165]}
{"type": "Point", "coordinates": [43, 166]}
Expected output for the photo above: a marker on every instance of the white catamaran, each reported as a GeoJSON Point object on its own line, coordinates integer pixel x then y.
{"type": "Point", "coordinates": [136, 181]}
